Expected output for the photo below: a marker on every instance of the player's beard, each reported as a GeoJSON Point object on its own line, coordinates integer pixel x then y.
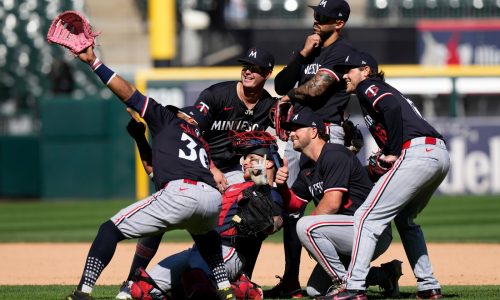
{"type": "Point", "coordinates": [325, 35]}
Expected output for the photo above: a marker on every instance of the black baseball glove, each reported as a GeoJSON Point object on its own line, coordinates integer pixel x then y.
{"type": "Point", "coordinates": [353, 139]}
{"type": "Point", "coordinates": [377, 167]}
{"type": "Point", "coordinates": [256, 212]}
{"type": "Point", "coordinates": [136, 129]}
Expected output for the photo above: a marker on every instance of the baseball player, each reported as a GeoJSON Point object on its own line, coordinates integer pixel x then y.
{"type": "Point", "coordinates": [242, 105]}
{"type": "Point", "coordinates": [338, 184]}
{"type": "Point", "coordinates": [167, 276]}
{"type": "Point", "coordinates": [233, 105]}
{"type": "Point", "coordinates": [420, 162]}
{"type": "Point", "coordinates": [322, 89]}
{"type": "Point", "coordinates": [186, 197]}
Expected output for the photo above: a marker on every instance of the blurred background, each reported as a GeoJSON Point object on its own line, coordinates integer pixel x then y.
{"type": "Point", "coordinates": [62, 134]}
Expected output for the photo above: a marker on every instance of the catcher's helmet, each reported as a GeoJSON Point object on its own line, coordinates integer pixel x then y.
{"type": "Point", "coordinates": [258, 142]}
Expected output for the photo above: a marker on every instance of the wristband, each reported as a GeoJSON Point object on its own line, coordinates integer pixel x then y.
{"type": "Point", "coordinates": [102, 71]}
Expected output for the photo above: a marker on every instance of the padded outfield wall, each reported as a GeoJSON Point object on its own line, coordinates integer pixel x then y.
{"type": "Point", "coordinates": [83, 150]}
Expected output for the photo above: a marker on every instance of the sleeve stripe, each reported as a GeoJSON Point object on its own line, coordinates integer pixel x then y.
{"type": "Point", "coordinates": [340, 189]}
{"type": "Point", "coordinates": [146, 102]}
{"type": "Point", "coordinates": [379, 98]}
{"type": "Point", "coordinates": [303, 200]}
{"type": "Point", "coordinates": [111, 78]}
{"type": "Point", "coordinates": [330, 72]}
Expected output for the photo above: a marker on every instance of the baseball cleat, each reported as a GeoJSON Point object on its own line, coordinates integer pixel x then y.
{"type": "Point", "coordinates": [390, 285]}
{"type": "Point", "coordinates": [124, 293]}
{"type": "Point", "coordinates": [348, 295]}
{"type": "Point", "coordinates": [332, 291]}
{"type": "Point", "coordinates": [430, 294]}
{"type": "Point", "coordinates": [226, 294]}
{"type": "Point", "coordinates": [285, 289]}
{"type": "Point", "coordinates": [78, 295]}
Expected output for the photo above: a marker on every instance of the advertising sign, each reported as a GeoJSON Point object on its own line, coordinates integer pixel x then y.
{"type": "Point", "coordinates": [463, 42]}
{"type": "Point", "coordinates": [474, 147]}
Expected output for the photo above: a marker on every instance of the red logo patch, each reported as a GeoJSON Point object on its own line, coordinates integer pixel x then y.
{"type": "Point", "coordinates": [372, 91]}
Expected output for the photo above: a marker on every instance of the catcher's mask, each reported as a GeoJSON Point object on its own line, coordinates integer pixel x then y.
{"type": "Point", "coordinates": [258, 142]}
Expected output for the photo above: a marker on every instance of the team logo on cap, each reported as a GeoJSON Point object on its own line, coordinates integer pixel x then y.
{"type": "Point", "coordinates": [253, 53]}
{"type": "Point", "coordinates": [295, 117]}
{"type": "Point", "coordinates": [203, 107]}
{"type": "Point", "coordinates": [347, 58]}
{"type": "Point", "coordinates": [323, 3]}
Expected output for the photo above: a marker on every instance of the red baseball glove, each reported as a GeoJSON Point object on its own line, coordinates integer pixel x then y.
{"type": "Point", "coordinates": [377, 167]}
{"type": "Point", "coordinates": [71, 30]}
{"type": "Point", "coordinates": [281, 112]}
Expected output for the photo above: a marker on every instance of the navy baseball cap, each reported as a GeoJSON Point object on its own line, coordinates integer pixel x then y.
{"type": "Point", "coordinates": [259, 57]}
{"type": "Point", "coordinates": [198, 116]}
{"type": "Point", "coordinates": [304, 118]}
{"type": "Point", "coordinates": [335, 9]}
{"type": "Point", "coordinates": [357, 59]}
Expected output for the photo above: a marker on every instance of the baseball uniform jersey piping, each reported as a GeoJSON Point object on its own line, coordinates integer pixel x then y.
{"type": "Point", "coordinates": [316, 248]}
{"type": "Point", "coordinates": [340, 189]}
{"type": "Point", "coordinates": [377, 197]}
{"type": "Point", "coordinates": [132, 212]}
{"type": "Point", "coordinates": [379, 98]}
{"type": "Point", "coordinates": [230, 254]}
{"type": "Point", "coordinates": [146, 102]}
{"type": "Point", "coordinates": [331, 73]}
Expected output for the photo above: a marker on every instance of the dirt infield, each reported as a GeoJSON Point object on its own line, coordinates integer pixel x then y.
{"type": "Point", "coordinates": [42, 264]}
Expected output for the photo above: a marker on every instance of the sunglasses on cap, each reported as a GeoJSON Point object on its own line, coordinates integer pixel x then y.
{"type": "Point", "coordinates": [321, 19]}
{"type": "Point", "coordinates": [254, 69]}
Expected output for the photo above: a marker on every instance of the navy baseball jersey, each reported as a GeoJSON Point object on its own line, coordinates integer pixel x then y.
{"type": "Point", "coordinates": [225, 112]}
{"type": "Point", "coordinates": [391, 117]}
{"type": "Point", "coordinates": [337, 169]}
{"type": "Point", "coordinates": [179, 152]}
{"type": "Point", "coordinates": [331, 104]}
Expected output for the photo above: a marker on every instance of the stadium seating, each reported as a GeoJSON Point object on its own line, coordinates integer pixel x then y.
{"type": "Point", "coordinates": [27, 61]}
{"type": "Point", "coordinates": [407, 10]}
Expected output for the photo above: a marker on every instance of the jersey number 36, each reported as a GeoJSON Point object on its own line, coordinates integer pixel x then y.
{"type": "Point", "coordinates": [192, 152]}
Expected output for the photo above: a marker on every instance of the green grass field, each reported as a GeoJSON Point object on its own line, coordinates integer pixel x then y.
{"type": "Point", "coordinates": [51, 292]}
{"type": "Point", "coordinates": [446, 219]}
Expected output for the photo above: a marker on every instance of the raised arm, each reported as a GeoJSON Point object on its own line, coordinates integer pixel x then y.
{"type": "Point", "coordinates": [121, 87]}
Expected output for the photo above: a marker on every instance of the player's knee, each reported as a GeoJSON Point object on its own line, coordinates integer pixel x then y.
{"type": "Point", "coordinates": [302, 225]}
{"type": "Point", "coordinates": [404, 223]}
{"type": "Point", "coordinates": [109, 231]}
